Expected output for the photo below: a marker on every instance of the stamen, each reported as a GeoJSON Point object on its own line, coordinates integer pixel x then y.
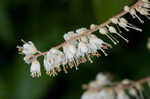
{"type": "Point", "coordinates": [133, 13]}
{"type": "Point", "coordinates": [52, 73]}
{"type": "Point", "coordinates": [19, 49]}
{"type": "Point", "coordinates": [83, 60]}
{"type": "Point", "coordinates": [118, 29]}
{"type": "Point", "coordinates": [65, 70]}
{"type": "Point", "coordinates": [89, 58]}
{"type": "Point", "coordinates": [97, 54]}
{"type": "Point", "coordinates": [77, 61]}
{"type": "Point", "coordinates": [58, 69]}
{"type": "Point", "coordinates": [113, 30]}
{"type": "Point", "coordinates": [104, 52]}
{"type": "Point", "coordinates": [124, 24]}
{"type": "Point", "coordinates": [23, 41]}
{"type": "Point", "coordinates": [111, 39]}
{"type": "Point", "coordinates": [71, 64]}
{"type": "Point", "coordinates": [114, 38]}
{"type": "Point", "coordinates": [134, 27]}
{"type": "Point", "coordinates": [122, 37]}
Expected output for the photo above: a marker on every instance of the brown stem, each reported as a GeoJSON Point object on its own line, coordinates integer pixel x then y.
{"type": "Point", "coordinates": [120, 85]}
{"type": "Point", "coordinates": [137, 82]}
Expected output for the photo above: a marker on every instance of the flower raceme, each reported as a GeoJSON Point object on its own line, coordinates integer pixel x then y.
{"type": "Point", "coordinates": [81, 45]}
{"type": "Point", "coordinates": [104, 88]}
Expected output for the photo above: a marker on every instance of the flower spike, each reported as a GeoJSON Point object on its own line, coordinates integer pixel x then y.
{"type": "Point", "coordinates": [82, 44]}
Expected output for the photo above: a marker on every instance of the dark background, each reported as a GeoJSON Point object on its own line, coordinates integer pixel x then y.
{"type": "Point", "coordinates": [44, 22]}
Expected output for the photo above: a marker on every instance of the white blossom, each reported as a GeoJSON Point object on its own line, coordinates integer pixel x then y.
{"type": "Point", "coordinates": [106, 94]}
{"type": "Point", "coordinates": [114, 31]}
{"type": "Point", "coordinates": [29, 48]}
{"type": "Point", "coordinates": [103, 94]}
{"type": "Point", "coordinates": [35, 69]}
{"type": "Point", "coordinates": [102, 80]}
{"type": "Point", "coordinates": [97, 44]}
{"type": "Point", "coordinates": [122, 22]}
{"type": "Point", "coordinates": [133, 13]}
{"type": "Point", "coordinates": [134, 93]}
{"type": "Point", "coordinates": [28, 58]}
{"type": "Point", "coordinates": [83, 46]}
{"type": "Point", "coordinates": [82, 49]}
{"type": "Point", "coordinates": [104, 31]}
{"type": "Point", "coordinates": [146, 1]}
{"type": "Point", "coordinates": [144, 11]}
{"type": "Point", "coordinates": [81, 30]}
{"type": "Point", "coordinates": [52, 61]}
{"type": "Point", "coordinates": [90, 95]}
{"type": "Point", "coordinates": [93, 26]}
{"type": "Point", "coordinates": [70, 52]}
{"type": "Point", "coordinates": [122, 95]}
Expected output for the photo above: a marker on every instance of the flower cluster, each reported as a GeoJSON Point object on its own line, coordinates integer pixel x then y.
{"type": "Point", "coordinates": [103, 88]}
{"type": "Point", "coordinates": [143, 9]}
{"type": "Point", "coordinates": [81, 45]}
{"type": "Point", "coordinates": [29, 50]}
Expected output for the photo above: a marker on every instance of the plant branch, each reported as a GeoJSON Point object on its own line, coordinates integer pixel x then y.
{"type": "Point", "coordinates": [92, 30]}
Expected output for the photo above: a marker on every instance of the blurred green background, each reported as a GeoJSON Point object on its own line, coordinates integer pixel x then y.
{"type": "Point", "coordinates": [44, 22]}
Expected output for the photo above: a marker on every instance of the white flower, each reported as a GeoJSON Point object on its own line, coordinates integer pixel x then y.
{"type": "Point", "coordinates": [81, 30]}
{"type": "Point", "coordinates": [133, 13]}
{"type": "Point", "coordinates": [145, 5]}
{"type": "Point", "coordinates": [103, 94]}
{"type": "Point", "coordinates": [114, 20]}
{"type": "Point", "coordinates": [35, 69]}
{"type": "Point", "coordinates": [70, 52]}
{"type": "Point", "coordinates": [28, 58]}
{"type": "Point", "coordinates": [143, 11]}
{"type": "Point", "coordinates": [100, 82]}
{"type": "Point", "coordinates": [97, 44]}
{"type": "Point", "coordinates": [82, 49]}
{"type": "Point", "coordinates": [68, 35]}
{"type": "Point", "coordinates": [29, 48]}
{"type": "Point", "coordinates": [146, 1]}
{"type": "Point", "coordinates": [90, 95]}
{"type": "Point", "coordinates": [122, 22]}
{"type": "Point", "coordinates": [93, 26]}
{"type": "Point", "coordinates": [104, 31]}
{"type": "Point", "coordinates": [106, 94]}
{"type": "Point", "coordinates": [70, 49]}
{"type": "Point", "coordinates": [134, 93]}
{"type": "Point", "coordinates": [52, 60]}
{"type": "Point", "coordinates": [122, 95]}
{"type": "Point", "coordinates": [102, 79]}
{"type": "Point", "coordinates": [114, 31]}
{"type": "Point", "coordinates": [94, 85]}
